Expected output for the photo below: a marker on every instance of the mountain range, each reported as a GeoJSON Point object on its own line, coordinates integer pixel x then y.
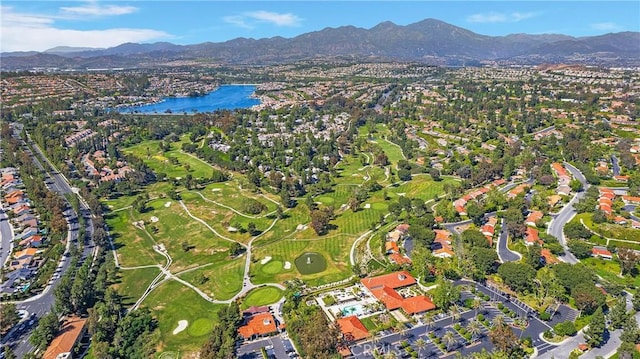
{"type": "Point", "coordinates": [429, 41]}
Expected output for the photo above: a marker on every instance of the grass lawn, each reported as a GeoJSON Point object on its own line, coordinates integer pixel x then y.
{"type": "Point", "coordinates": [149, 152]}
{"type": "Point", "coordinates": [134, 282]}
{"type": "Point", "coordinates": [423, 187]}
{"type": "Point", "coordinates": [369, 324]}
{"type": "Point", "coordinates": [610, 270]}
{"type": "Point", "coordinates": [133, 246]}
{"type": "Point", "coordinates": [261, 296]}
{"type": "Point", "coordinates": [223, 279]}
{"type": "Point", "coordinates": [334, 249]}
{"type": "Point", "coordinates": [174, 227]}
{"type": "Point", "coordinates": [172, 302]}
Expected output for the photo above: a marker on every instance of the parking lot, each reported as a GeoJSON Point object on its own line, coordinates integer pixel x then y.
{"type": "Point", "coordinates": [279, 347]}
{"type": "Point", "coordinates": [389, 341]}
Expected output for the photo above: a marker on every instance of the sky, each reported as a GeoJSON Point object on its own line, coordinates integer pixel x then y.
{"type": "Point", "coordinates": [41, 25]}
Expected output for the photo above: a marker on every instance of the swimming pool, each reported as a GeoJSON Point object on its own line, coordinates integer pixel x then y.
{"type": "Point", "coordinates": [356, 310]}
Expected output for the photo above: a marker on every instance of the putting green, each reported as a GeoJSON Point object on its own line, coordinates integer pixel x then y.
{"type": "Point", "coordinates": [200, 327]}
{"type": "Point", "coordinates": [262, 296]}
{"type": "Point", "coordinates": [272, 267]}
{"type": "Point", "coordinates": [325, 200]}
{"type": "Point", "coordinates": [379, 206]}
{"type": "Point", "coordinates": [311, 263]}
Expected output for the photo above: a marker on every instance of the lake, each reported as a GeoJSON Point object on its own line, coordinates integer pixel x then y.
{"type": "Point", "coordinates": [226, 97]}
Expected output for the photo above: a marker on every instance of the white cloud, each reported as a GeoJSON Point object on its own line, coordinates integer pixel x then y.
{"type": "Point", "coordinates": [37, 32]}
{"type": "Point", "coordinates": [93, 9]}
{"type": "Point", "coordinates": [237, 20]}
{"type": "Point", "coordinates": [249, 20]}
{"type": "Point", "coordinates": [496, 17]}
{"type": "Point", "coordinates": [275, 18]}
{"type": "Point", "coordinates": [605, 26]}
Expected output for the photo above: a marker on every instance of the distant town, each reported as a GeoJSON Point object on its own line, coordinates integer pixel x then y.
{"type": "Point", "coordinates": [361, 210]}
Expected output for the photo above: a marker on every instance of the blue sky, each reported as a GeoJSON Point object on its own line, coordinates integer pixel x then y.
{"type": "Point", "coordinates": [40, 25]}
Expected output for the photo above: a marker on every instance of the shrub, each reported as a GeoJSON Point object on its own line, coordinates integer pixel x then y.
{"type": "Point", "coordinates": [547, 334]}
{"type": "Point", "coordinates": [565, 328]}
{"type": "Point", "coordinates": [545, 316]}
{"type": "Point", "coordinates": [500, 306]}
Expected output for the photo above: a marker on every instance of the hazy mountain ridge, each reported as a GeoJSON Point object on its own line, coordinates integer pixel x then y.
{"type": "Point", "coordinates": [429, 40]}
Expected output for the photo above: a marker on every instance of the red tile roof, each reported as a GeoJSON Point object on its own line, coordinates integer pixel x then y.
{"type": "Point", "coordinates": [260, 324]}
{"type": "Point", "coordinates": [601, 252]}
{"type": "Point", "coordinates": [352, 328]}
{"type": "Point", "coordinates": [399, 259]}
{"type": "Point", "coordinates": [66, 340]}
{"type": "Point", "coordinates": [417, 304]}
{"type": "Point", "coordinates": [394, 280]}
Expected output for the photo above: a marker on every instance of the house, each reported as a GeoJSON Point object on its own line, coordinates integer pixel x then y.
{"type": "Point", "coordinates": [352, 328]}
{"type": "Point", "coordinates": [384, 289]}
{"type": "Point", "coordinates": [533, 217]}
{"type": "Point", "coordinates": [620, 220]}
{"type": "Point", "coordinates": [403, 228]}
{"type": "Point", "coordinates": [635, 224]}
{"type": "Point", "coordinates": [553, 200]}
{"type": "Point", "coordinates": [392, 247]}
{"type": "Point", "coordinates": [488, 230]}
{"type": "Point", "coordinates": [623, 179]}
{"type": "Point", "coordinates": [61, 346]}
{"type": "Point", "coordinates": [532, 237]}
{"type": "Point", "coordinates": [258, 325]}
{"type": "Point", "coordinates": [631, 199]}
{"type": "Point", "coordinates": [601, 252]}
{"type": "Point", "coordinates": [25, 253]}
{"type": "Point", "coordinates": [443, 253]}
{"type": "Point", "coordinates": [399, 259]}
{"type": "Point", "coordinates": [255, 310]}
{"type": "Point", "coordinates": [563, 190]}
{"type": "Point", "coordinates": [32, 241]}
{"type": "Point", "coordinates": [548, 257]}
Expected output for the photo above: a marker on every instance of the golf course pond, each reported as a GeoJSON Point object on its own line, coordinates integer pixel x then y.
{"type": "Point", "coordinates": [311, 263]}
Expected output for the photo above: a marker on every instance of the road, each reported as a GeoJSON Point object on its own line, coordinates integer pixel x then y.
{"type": "Point", "coordinates": [504, 253]}
{"type": "Point", "coordinates": [606, 350]}
{"type": "Point", "coordinates": [566, 214]}
{"type": "Point", "coordinates": [615, 166]}
{"type": "Point", "coordinates": [42, 303]}
{"type": "Point", "coordinates": [6, 238]}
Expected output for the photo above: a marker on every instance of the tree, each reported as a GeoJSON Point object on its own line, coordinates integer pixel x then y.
{"type": "Point", "coordinates": [628, 259]}
{"type": "Point", "coordinates": [588, 297]}
{"type": "Point", "coordinates": [518, 276]}
{"type": "Point", "coordinates": [595, 333]}
{"type": "Point", "coordinates": [618, 314]}
{"type": "Point", "coordinates": [630, 333]}
{"type": "Point", "coordinates": [533, 255]}
{"type": "Point", "coordinates": [449, 340]}
{"type": "Point", "coordinates": [503, 338]}
{"type": "Point", "coordinates": [47, 329]}
{"type": "Point", "coordinates": [8, 316]}
{"type": "Point", "coordinates": [235, 249]}
{"type": "Point", "coordinates": [565, 328]}
{"type": "Point", "coordinates": [474, 328]}
{"type": "Point", "coordinates": [575, 230]}
{"type": "Point", "coordinates": [475, 212]}
{"type": "Point", "coordinates": [580, 249]}
{"type": "Point", "coordinates": [576, 186]}
{"type": "Point", "coordinates": [445, 294]}
{"type": "Point", "coordinates": [484, 259]}
{"type": "Point", "coordinates": [474, 238]}
{"type": "Point", "coordinates": [435, 174]}
{"type": "Point", "coordinates": [320, 220]}
{"type": "Point", "coordinates": [636, 301]}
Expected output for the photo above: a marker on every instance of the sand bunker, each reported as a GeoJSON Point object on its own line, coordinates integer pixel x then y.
{"type": "Point", "coordinates": [216, 189]}
{"type": "Point", "coordinates": [287, 265]}
{"type": "Point", "coordinates": [182, 325]}
{"type": "Point", "coordinates": [367, 206]}
{"type": "Point", "coordinates": [154, 219]}
{"type": "Point", "coordinates": [265, 260]}
{"type": "Point", "coordinates": [167, 204]}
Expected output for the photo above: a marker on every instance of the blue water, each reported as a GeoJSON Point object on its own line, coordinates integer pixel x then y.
{"type": "Point", "coordinates": [227, 97]}
{"type": "Point", "coordinates": [356, 310]}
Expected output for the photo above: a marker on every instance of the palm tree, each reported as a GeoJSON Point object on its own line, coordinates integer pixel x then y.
{"type": "Point", "coordinates": [497, 321]}
{"type": "Point", "coordinates": [421, 344]}
{"type": "Point", "coordinates": [449, 340]}
{"type": "Point", "coordinates": [475, 328]}
{"type": "Point", "coordinates": [477, 304]}
{"type": "Point", "coordinates": [455, 313]}
{"type": "Point", "coordinates": [428, 321]}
